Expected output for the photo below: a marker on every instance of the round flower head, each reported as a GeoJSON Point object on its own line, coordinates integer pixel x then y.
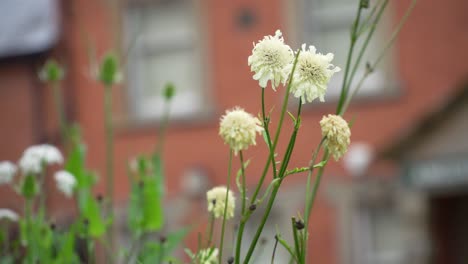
{"type": "Point", "coordinates": [8, 215]}
{"type": "Point", "coordinates": [269, 58]}
{"type": "Point", "coordinates": [7, 171]}
{"type": "Point", "coordinates": [207, 256]}
{"type": "Point", "coordinates": [65, 182]}
{"type": "Point", "coordinates": [238, 129]}
{"type": "Point", "coordinates": [36, 156]}
{"type": "Point", "coordinates": [337, 133]}
{"type": "Point", "coordinates": [312, 74]}
{"type": "Point", "coordinates": [216, 199]}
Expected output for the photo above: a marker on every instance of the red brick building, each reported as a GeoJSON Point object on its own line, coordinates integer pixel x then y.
{"type": "Point", "coordinates": [202, 46]}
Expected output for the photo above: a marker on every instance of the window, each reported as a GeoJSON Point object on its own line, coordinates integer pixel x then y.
{"type": "Point", "coordinates": [164, 46]}
{"type": "Point", "coordinates": [326, 24]}
{"type": "Point", "coordinates": [377, 236]}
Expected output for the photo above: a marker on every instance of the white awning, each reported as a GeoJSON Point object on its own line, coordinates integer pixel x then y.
{"type": "Point", "coordinates": [27, 26]}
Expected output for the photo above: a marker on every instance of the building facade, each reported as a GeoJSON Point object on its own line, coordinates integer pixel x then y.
{"type": "Point", "coordinates": [202, 47]}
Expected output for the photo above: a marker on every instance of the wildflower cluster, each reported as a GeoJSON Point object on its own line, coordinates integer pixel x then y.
{"type": "Point", "coordinates": [272, 60]}
{"type": "Point", "coordinates": [337, 135]}
{"type": "Point", "coordinates": [216, 199]}
{"type": "Point", "coordinates": [239, 128]}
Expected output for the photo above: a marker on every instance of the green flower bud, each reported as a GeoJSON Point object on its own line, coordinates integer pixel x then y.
{"type": "Point", "coordinates": [51, 71]}
{"type": "Point", "coordinates": [169, 91]}
{"type": "Point", "coordinates": [109, 71]}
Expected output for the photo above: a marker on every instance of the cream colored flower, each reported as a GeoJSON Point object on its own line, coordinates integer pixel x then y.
{"type": "Point", "coordinates": [8, 214]}
{"type": "Point", "coordinates": [269, 58]}
{"type": "Point", "coordinates": [238, 129]}
{"type": "Point", "coordinates": [207, 256]}
{"type": "Point", "coordinates": [312, 74]}
{"type": "Point", "coordinates": [36, 156]}
{"type": "Point", "coordinates": [66, 182]}
{"type": "Point", "coordinates": [7, 171]}
{"type": "Point", "coordinates": [216, 199]}
{"type": "Point", "coordinates": [337, 135]}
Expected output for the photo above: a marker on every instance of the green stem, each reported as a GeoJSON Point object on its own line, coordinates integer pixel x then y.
{"type": "Point", "coordinates": [210, 230]}
{"type": "Point", "coordinates": [59, 107]}
{"type": "Point", "coordinates": [311, 199]}
{"type": "Point", "coordinates": [244, 198]}
{"type": "Point", "coordinates": [244, 201]}
{"type": "Point", "coordinates": [382, 53]}
{"type": "Point", "coordinates": [267, 133]}
{"type": "Point", "coordinates": [363, 49]}
{"type": "Point", "coordinates": [280, 124]}
{"type": "Point", "coordinates": [223, 227]}
{"type": "Point", "coordinates": [287, 247]}
{"type": "Point", "coordinates": [296, 239]}
{"type": "Point", "coordinates": [284, 165]}
{"type": "Point", "coordinates": [163, 128]}
{"type": "Point", "coordinates": [109, 130]}
{"type": "Point", "coordinates": [354, 38]}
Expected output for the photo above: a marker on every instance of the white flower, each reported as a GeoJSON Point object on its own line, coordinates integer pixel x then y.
{"type": "Point", "coordinates": [269, 58]}
{"type": "Point", "coordinates": [207, 256]}
{"type": "Point", "coordinates": [337, 135]}
{"type": "Point", "coordinates": [238, 129]}
{"type": "Point", "coordinates": [312, 74]}
{"type": "Point", "coordinates": [36, 156]}
{"type": "Point", "coordinates": [8, 214]}
{"type": "Point", "coordinates": [216, 199]}
{"type": "Point", "coordinates": [65, 182]}
{"type": "Point", "coordinates": [7, 171]}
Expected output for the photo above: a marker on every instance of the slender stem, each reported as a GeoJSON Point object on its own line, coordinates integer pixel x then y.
{"type": "Point", "coordinates": [284, 165]}
{"type": "Point", "coordinates": [354, 38]}
{"type": "Point", "coordinates": [280, 124]}
{"type": "Point", "coordinates": [267, 133]}
{"type": "Point", "coordinates": [109, 130]}
{"type": "Point", "coordinates": [163, 128]}
{"type": "Point", "coordinates": [244, 199]}
{"type": "Point", "coordinates": [270, 159]}
{"type": "Point", "coordinates": [225, 209]}
{"type": "Point", "coordinates": [310, 199]}
{"type": "Point", "coordinates": [59, 108]}
{"type": "Point", "coordinates": [309, 179]}
{"type": "Point", "coordinates": [274, 250]}
{"type": "Point", "coordinates": [382, 53]}
{"type": "Point", "coordinates": [43, 193]}
{"type": "Point", "coordinates": [287, 247]}
{"type": "Point", "coordinates": [296, 239]}
{"type": "Point", "coordinates": [364, 48]}
{"type": "Point", "coordinates": [210, 230]}
{"type": "Point", "coordinates": [262, 223]}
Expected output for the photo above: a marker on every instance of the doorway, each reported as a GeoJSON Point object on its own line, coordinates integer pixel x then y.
{"type": "Point", "coordinates": [449, 229]}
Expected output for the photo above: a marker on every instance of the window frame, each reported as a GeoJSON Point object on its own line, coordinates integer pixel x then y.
{"type": "Point", "coordinates": [134, 88]}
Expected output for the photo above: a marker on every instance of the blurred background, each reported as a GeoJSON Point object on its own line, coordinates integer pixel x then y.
{"type": "Point", "coordinates": [399, 196]}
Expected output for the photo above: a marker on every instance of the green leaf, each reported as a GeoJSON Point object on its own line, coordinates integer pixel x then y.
{"type": "Point", "coordinates": [152, 205]}
{"type": "Point", "coordinates": [239, 174]}
{"type": "Point", "coordinates": [29, 188]}
{"type": "Point", "coordinates": [292, 117]}
{"type": "Point", "coordinates": [90, 210]}
{"type": "Point", "coordinates": [135, 212]}
{"type": "Point", "coordinates": [75, 164]}
{"type": "Point", "coordinates": [66, 249]}
{"type": "Point", "coordinates": [321, 164]}
{"type": "Point", "coordinates": [153, 193]}
{"type": "Point", "coordinates": [151, 252]}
